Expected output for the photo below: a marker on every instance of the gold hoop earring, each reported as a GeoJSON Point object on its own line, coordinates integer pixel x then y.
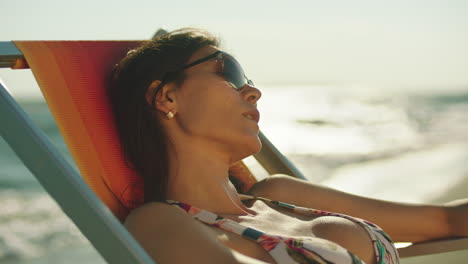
{"type": "Point", "coordinates": [170, 115]}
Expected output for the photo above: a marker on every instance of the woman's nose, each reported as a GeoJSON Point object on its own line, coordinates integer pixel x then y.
{"type": "Point", "coordinates": [251, 94]}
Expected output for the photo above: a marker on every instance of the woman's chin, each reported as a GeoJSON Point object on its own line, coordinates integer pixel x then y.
{"type": "Point", "coordinates": [251, 147]}
{"type": "Point", "coordinates": [258, 146]}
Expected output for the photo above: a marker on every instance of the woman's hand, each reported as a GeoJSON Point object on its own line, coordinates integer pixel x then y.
{"type": "Point", "coordinates": [457, 217]}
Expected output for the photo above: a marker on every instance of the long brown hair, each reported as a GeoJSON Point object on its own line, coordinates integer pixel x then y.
{"type": "Point", "coordinates": [142, 137]}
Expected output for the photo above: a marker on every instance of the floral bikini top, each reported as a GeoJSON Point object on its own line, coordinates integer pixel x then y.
{"type": "Point", "coordinates": [285, 250]}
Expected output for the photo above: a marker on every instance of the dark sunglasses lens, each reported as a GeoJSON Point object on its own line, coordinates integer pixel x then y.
{"type": "Point", "coordinates": [233, 73]}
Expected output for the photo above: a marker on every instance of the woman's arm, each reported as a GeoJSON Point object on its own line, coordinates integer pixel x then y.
{"type": "Point", "coordinates": [404, 222]}
{"type": "Point", "coordinates": [171, 236]}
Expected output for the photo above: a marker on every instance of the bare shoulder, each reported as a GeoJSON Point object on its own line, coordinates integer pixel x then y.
{"type": "Point", "coordinates": [155, 214]}
{"type": "Point", "coordinates": [288, 189]}
{"type": "Point", "coordinates": [166, 231]}
{"type": "Point", "coordinates": [274, 184]}
{"type": "Point", "coordinates": [162, 229]}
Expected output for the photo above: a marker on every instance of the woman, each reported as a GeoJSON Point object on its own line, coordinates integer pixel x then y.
{"type": "Point", "coordinates": [185, 112]}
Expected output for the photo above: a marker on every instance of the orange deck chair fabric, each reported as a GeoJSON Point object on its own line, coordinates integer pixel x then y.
{"type": "Point", "coordinates": [73, 77]}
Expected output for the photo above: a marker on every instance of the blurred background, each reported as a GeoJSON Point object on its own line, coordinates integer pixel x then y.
{"type": "Point", "coordinates": [366, 96]}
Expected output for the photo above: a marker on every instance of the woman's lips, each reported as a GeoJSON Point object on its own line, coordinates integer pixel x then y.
{"type": "Point", "coordinates": [252, 115]}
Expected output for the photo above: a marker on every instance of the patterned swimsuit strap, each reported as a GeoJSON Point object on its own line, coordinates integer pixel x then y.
{"type": "Point", "coordinates": [247, 197]}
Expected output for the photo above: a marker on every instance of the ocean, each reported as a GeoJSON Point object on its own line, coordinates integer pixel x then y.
{"type": "Point", "coordinates": [406, 145]}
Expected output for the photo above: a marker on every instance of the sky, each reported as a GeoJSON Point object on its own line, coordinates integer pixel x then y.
{"type": "Point", "coordinates": [373, 43]}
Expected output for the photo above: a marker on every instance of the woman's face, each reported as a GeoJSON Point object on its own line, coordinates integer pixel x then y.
{"type": "Point", "coordinates": [211, 111]}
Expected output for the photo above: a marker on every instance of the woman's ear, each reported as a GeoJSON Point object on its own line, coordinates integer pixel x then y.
{"type": "Point", "coordinates": [150, 92]}
{"type": "Point", "coordinates": [164, 100]}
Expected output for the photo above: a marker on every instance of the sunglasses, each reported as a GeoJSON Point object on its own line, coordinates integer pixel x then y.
{"type": "Point", "coordinates": [225, 63]}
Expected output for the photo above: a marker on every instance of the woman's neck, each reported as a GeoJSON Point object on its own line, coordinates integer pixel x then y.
{"type": "Point", "coordinates": [201, 179]}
